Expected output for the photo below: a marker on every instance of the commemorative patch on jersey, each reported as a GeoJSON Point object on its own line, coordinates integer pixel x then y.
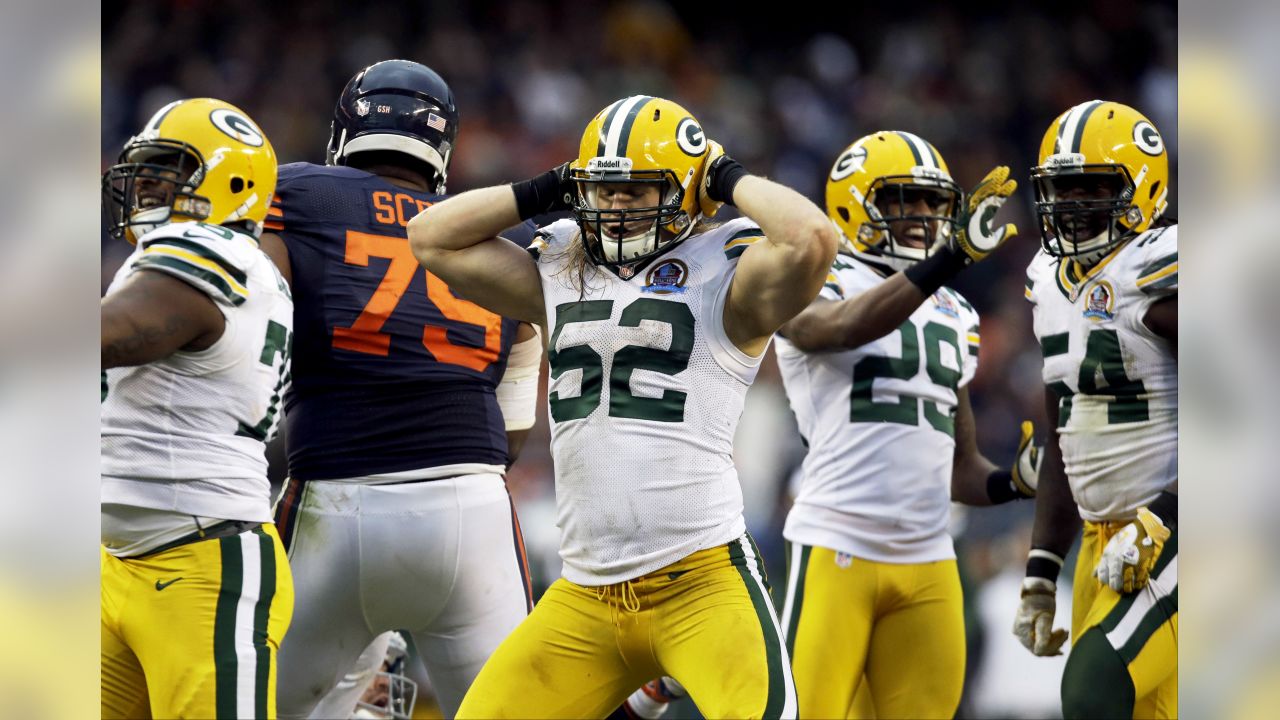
{"type": "Point", "coordinates": [944, 304]}
{"type": "Point", "coordinates": [1100, 302]}
{"type": "Point", "coordinates": [666, 278]}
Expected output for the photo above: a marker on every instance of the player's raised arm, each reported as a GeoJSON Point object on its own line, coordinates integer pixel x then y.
{"type": "Point", "coordinates": [152, 316]}
{"type": "Point", "coordinates": [778, 277]}
{"type": "Point", "coordinates": [457, 241]}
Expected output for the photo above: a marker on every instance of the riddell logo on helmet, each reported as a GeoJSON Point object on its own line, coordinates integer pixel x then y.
{"type": "Point", "coordinates": [1064, 160]}
{"type": "Point", "coordinates": [609, 164]}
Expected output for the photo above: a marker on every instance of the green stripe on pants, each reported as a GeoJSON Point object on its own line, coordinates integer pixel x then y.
{"type": "Point", "coordinates": [261, 615]}
{"type": "Point", "coordinates": [797, 602]}
{"type": "Point", "coordinates": [224, 626]}
{"type": "Point", "coordinates": [773, 651]}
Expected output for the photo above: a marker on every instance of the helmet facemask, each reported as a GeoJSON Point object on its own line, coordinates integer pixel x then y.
{"type": "Point", "coordinates": [152, 181]}
{"type": "Point", "coordinates": [911, 218]}
{"type": "Point", "coordinates": [1084, 210]}
{"type": "Point", "coordinates": [624, 236]}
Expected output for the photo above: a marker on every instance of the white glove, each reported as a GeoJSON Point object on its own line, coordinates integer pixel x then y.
{"type": "Point", "coordinates": [1026, 468]}
{"type": "Point", "coordinates": [1130, 554]}
{"type": "Point", "coordinates": [976, 237]}
{"type": "Point", "coordinates": [1034, 622]}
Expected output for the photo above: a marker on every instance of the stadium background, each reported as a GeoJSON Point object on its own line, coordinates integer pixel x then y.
{"type": "Point", "coordinates": [784, 91]}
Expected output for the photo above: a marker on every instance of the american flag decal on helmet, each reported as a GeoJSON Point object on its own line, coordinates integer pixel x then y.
{"type": "Point", "coordinates": [435, 122]}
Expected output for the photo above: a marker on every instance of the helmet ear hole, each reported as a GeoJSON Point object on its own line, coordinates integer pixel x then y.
{"type": "Point", "coordinates": [843, 212]}
{"type": "Point", "coordinates": [237, 184]}
{"type": "Point", "coordinates": [1155, 187]}
{"type": "Point", "coordinates": [250, 185]}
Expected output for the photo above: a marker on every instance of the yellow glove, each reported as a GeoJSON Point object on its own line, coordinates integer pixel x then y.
{"type": "Point", "coordinates": [1130, 554]}
{"type": "Point", "coordinates": [708, 206]}
{"type": "Point", "coordinates": [976, 238]}
{"type": "Point", "coordinates": [1026, 466]}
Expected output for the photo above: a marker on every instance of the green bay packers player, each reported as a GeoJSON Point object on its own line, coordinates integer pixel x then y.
{"type": "Point", "coordinates": [876, 370]}
{"type": "Point", "coordinates": [1104, 290]}
{"type": "Point", "coordinates": [657, 324]}
{"type": "Point", "coordinates": [196, 329]}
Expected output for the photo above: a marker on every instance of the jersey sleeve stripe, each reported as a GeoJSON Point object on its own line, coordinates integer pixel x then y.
{"type": "Point", "coordinates": [1158, 269]}
{"type": "Point", "coordinates": [203, 251]}
{"type": "Point", "coordinates": [269, 225]}
{"type": "Point", "coordinates": [194, 259]}
{"type": "Point", "coordinates": [1167, 280]}
{"type": "Point", "coordinates": [202, 278]}
{"type": "Point", "coordinates": [1027, 294]}
{"type": "Point", "coordinates": [749, 235]}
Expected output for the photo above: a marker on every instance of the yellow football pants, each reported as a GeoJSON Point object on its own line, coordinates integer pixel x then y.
{"type": "Point", "coordinates": [706, 620]}
{"type": "Point", "coordinates": [900, 626]}
{"type": "Point", "coordinates": [193, 632]}
{"type": "Point", "coordinates": [1124, 658]}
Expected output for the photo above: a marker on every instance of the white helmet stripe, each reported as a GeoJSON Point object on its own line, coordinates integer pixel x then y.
{"type": "Point", "coordinates": [921, 149]}
{"type": "Point", "coordinates": [1072, 128]}
{"type": "Point", "coordinates": [616, 122]}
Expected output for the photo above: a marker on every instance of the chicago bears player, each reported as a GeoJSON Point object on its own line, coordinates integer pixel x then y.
{"type": "Point", "coordinates": [396, 515]}
{"type": "Point", "coordinates": [1104, 289]}
{"type": "Point", "coordinates": [196, 327]}
{"type": "Point", "coordinates": [876, 370]}
{"type": "Point", "coordinates": [657, 322]}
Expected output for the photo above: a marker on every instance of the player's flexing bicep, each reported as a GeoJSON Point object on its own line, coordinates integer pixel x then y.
{"type": "Point", "coordinates": [457, 241]}
{"type": "Point", "coordinates": [780, 275]}
{"type": "Point", "coordinates": [153, 315]}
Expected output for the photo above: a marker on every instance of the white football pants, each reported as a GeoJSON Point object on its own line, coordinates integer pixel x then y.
{"type": "Point", "coordinates": [440, 559]}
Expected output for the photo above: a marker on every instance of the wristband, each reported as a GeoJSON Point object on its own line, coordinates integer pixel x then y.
{"type": "Point", "coordinates": [540, 194]}
{"type": "Point", "coordinates": [1044, 564]}
{"type": "Point", "coordinates": [726, 173]}
{"type": "Point", "coordinates": [934, 271]}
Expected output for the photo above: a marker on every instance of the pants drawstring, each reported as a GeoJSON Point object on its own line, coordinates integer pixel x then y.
{"type": "Point", "coordinates": [619, 595]}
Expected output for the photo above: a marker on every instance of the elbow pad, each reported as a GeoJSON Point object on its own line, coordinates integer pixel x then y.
{"type": "Point", "coordinates": [518, 391]}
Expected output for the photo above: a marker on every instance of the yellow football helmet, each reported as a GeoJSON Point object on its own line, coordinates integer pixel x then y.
{"type": "Point", "coordinates": [887, 184]}
{"type": "Point", "coordinates": [199, 159]}
{"type": "Point", "coordinates": [641, 141]}
{"type": "Point", "coordinates": [1103, 177]}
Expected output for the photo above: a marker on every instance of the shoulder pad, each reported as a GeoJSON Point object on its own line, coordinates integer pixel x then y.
{"type": "Point", "coordinates": [736, 236]}
{"type": "Point", "coordinates": [212, 258]}
{"type": "Point", "coordinates": [1155, 261]}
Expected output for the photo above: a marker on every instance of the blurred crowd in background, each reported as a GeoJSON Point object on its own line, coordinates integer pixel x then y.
{"type": "Point", "coordinates": [784, 91]}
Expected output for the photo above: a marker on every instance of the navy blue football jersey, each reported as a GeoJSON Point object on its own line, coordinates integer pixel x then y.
{"type": "Point", "coordinates": [391, 370]}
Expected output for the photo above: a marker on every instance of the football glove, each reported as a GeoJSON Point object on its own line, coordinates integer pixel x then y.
{"type": "Point", "coordinates": [976, 237]}
{"type": "Point", "coordinates": [1130, 554]}
{"type": "Point", "coordinates": [1026, 468]}
{"type": "Point", "coordinates": [1033, 625]}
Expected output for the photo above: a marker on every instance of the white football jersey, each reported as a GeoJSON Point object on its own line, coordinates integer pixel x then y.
{"type": "Point", "coordinates": [188, 433]}
{"type": "Point", "coordinates": [880, 428]}
{"type": "Point", "coordinates": [1117, 382]}
{"type": "Point", "coordinates": [645, 394]}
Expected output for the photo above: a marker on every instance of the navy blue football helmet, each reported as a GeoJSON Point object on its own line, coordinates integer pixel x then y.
{"type": "Point", "coordinates": [396, 106]}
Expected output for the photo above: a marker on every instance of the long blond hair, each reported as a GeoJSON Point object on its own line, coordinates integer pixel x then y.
{"type": "Point", "coordinates": [580, 270]}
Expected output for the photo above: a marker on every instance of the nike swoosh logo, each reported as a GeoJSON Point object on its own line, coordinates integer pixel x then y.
{"type": "Point", "coordinates": [161, 586]}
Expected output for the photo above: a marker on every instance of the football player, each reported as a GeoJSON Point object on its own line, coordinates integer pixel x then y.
{"type": "Point", "coordinates": [876, 370]}
{"type": "Point", "coordinates": [196, 330]}
{"type": "Point", "coordinates": [407, 404]}
{"type": "Point", "coordinates": [1104, 290]}
{"type": "Point", "coordinates": [657, 322]}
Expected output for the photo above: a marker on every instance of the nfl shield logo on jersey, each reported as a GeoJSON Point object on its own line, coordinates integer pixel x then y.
{"type": "Point", "coordinates": [843, 559]}
{"type": "Point", "coordinates": [1098, 306]}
